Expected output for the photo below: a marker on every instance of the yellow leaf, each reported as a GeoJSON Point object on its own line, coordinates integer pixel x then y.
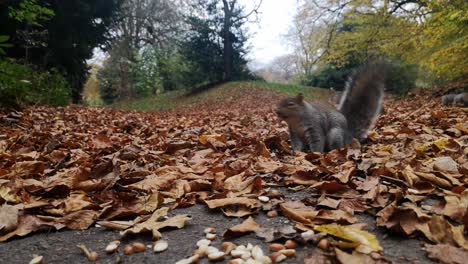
{"type": "Point", "coordinates": [386, 148]}
{"type": "Point", "coordinates": [363, 241]}
{"type": "Point", "coordinates": [7, 194]}
{"type": "Point", "coordinates": [204, 138]}
{"type": "Point", "coordinates": [422, 148]}
{"type": "Point", "coordinates": [441, 143]}
{"type": "Point", "coordinates": [462, 127]}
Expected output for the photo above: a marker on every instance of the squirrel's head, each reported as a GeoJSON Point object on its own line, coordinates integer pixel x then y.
{"type": "Point", "coordinates": [290, 107]}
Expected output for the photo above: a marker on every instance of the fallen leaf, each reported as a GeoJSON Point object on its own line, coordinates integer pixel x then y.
{"type": "Point", "coordinates": [276, 233]}
{"type": "Point", "coordinates": [245, 227]}
{"type": "Point", "coordinates": [447, 254]}
{"type": "Point", "coordinates": [362, 241]}
{"type": "Point", "coordinates": [30, 223]}
{"type": "Point", "coordinates": [446, 164]}
{"type": "Point", "coordinates": [8, 195]}
{"type": "Point", "coordinates": [152, 225]}
{"type": "Point", "coordinates": [354, 258]}
{"type": "Point", "coordinates": [216, 203]}
{"type": "Point", "coordinates": [8, 218]}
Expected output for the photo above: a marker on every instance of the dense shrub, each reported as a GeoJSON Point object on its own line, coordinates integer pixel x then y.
{"type": "Point", "coordinates": [327, 76]}
{"type": "Point", "coordinates": [399, 77]}
{"type": "Point", "coordinates": [21, 85]}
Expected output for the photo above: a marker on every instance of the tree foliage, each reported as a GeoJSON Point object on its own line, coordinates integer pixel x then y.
{"type": "Point", "coordinates": [427, 33]}
{"type": "Point", "coordinates": [58, 34]}
{"type": "Point", "coordinates": [22, 85]}
{"type": "Point", "coordinates": [174, 45]}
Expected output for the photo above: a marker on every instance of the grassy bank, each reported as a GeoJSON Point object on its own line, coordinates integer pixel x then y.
{"type": "Point", "coordinates": [177, 99]}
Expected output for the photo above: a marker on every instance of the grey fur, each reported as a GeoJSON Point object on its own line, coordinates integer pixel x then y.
{"type": "Point", "coordinates": [319, 127]}
{"type": "Point", "coordinates": [461, 99]}
{"type": "Point", "coordinates": [336, 98]}
{"type": "Point", "coordinates": [448, 99]}
{"type": "Point", "coordinates": [362, 100]}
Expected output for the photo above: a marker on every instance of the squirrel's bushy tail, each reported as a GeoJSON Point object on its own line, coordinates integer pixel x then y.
{"type": "Point", "coordinates": [361, 102]}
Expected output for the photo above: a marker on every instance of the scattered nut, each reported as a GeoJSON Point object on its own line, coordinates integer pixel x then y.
{"type": "Point", "coordinates": [191, 260]}
{"type": "Point", "coordinates": [290, 244]}
{"type": "Point", "coordinates": [236, 261]}
{"type": "Point", "coordinates": [211, 250]}
{"type": "Point", "coordinates": [216, 256]}
{"type": "Point", "coordinates": [264, 199]}
{"type": "Point", "coordinates": [323, 244]}
{"type": "Point", "coordinates": [277, 257]}
{"type": "Point", "coordinates": [272, 213]}
{"type": "Point", "coordinates": [264, 260]}
{"type": "Point", "coordinates": [308, 235]}
{"type": "Point", "coordinates": [160, 246]}
{"type": "Point", "coordinates": [241, 247]}
{"type": "Point", "coordinates": [128, 250]}
{"type": "Point", "coordinates": [112, 247]}
{"type": "Point", "coordinates": [246, 255]}
{"type": "Point", "coordinates": [276, 247]}
{"type": "Point", "coordinates": [228, 247]}
{"type": "Point", "coordinates": [237, 253]}
{"type": "Point", "coordinates": [249, 246]}
{"type": "Point", "coordinates": [257, 252]}
{"type": "Point", "coordinates": [203, 242]}
{"type": "Point", "coordinates": [274, 194]}
{"type": "Point", "coordinates": [375, 255]}
{"type": "Point", "coordinates": [138, 247]}
{"type": "Point", "coordinates": [201, 251]}
{"type": "Point", "coordinates": [210, 236]}
{"type": "Point", "coordinates": [209, 230]}
{"type": "Point", "coordinates": [36, 260]}
{"type": "Point", "coordinates": [426, 207]}
{"type": "Point", "coordinates": [91, 255]}
{"type": "Point", "coordinates": [288, 252]}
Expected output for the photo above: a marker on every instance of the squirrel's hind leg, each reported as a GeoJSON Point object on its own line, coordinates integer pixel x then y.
{"type": "Point", "coordinates": [335, 138]}
{"type": "Point", "coordinates": [296, 142]}
{"type": "Point", "coordinates": [315, 140]}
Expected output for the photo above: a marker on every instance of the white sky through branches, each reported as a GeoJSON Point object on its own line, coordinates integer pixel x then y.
{"type": "Point", "coordinates": [266, 37]}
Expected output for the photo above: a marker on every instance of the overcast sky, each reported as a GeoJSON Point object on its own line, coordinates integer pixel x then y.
{"type": "Point", "coordinates": [267, 40]}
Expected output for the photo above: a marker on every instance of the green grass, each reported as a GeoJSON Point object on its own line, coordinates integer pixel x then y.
{"type": "Point", "coordinates": [164, 101]}
{"type": "Point", "coordinates": [309, 92]}
{"type": "Point", "coordinates": [176, 99]}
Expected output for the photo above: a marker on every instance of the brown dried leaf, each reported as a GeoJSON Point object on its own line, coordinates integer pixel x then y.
{"type": "Point", "coordinates": [8, 218]}
{"type": "Point", "coordinates": [447, 254]}
{"type": "Point", "coordinates": [245, 227]}
{"type": "Point", "coordinates": [152, 225]}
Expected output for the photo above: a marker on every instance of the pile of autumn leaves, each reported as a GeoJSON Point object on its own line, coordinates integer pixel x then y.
{"type": "Point", "coordinates": [76, 167]}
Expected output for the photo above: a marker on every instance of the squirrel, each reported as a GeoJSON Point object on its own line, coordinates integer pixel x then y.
{"type": "Point", "coordinates": [320, 127]}
{"type": "Point", "coordinates": [448, 99]}
{"type": "Point", "coordinates": [455, 99]}
{"type": "Point", "coordinates": [461, 99]}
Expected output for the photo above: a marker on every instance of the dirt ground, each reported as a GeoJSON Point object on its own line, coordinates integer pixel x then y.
{"type": "Point", "coordinates": [61, 246]}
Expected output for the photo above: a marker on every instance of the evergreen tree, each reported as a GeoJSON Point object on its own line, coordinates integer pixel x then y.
{"type": "Point", "coordinates": [66, 40]}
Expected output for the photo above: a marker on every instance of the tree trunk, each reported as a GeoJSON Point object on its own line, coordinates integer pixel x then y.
{"type": "Point", "coordinates": [227, 40]}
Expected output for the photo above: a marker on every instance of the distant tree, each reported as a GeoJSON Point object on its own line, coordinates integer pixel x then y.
{"type": "Point", "coordinates": [219, 34]}
{"type": "Point", "coordinates": [65, 41]}
{"type": "Point", "coordinates": [428, 33]}
{"type": "Point", "coordinates": [146, 32]}
{"type": "Point", "coordinates": [203, 48]}
{"type": "Point", "coordinates": [286, 66]}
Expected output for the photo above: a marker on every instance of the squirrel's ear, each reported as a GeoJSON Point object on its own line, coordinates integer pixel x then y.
{"type": "Point", "coordinates": [300, 97]}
